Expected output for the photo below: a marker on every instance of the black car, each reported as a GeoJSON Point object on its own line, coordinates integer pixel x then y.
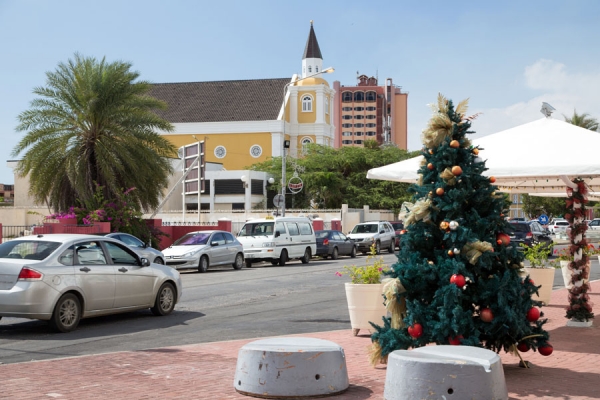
{"type": "Point", "coordinates": [334, 244]}
{"type": "Point", "coordinates": [529, 233]}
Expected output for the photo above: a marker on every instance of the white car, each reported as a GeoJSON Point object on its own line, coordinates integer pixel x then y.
{"type": "Point", "coordinates": [558, 226]}
{"type": "Point", "coordinates": [204, 249]}
{"type": "Point", "coordinates": [594, 224]}
{"type": "Point", "coordinates": [380, 233]}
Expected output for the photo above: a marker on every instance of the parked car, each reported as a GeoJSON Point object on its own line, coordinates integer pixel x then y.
{"type": "Point", "coordinates": [333, 244]}
{"type": "Point", "coordinates": [594, 224]}
{"type": "Point", "coordinates": [529, 233]}
{"type": "Point", "coordinates": [380, 233]}
{"type": "Point", "coordinates": [62, 278]}
{"type": "Point", "coordinates": [205, 249]}
{"type": "Point", "coordinates": [278, 240]}
{"type": "Point", "coordinates": [137, 245]}
{"type": "Point", "coordinates": [398, 227]}
{"type": "Point", "coordinates": [558, 225]}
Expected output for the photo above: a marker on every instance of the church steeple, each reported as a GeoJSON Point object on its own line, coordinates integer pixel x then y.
{"type": "Point", "coordinates": [312, 61]}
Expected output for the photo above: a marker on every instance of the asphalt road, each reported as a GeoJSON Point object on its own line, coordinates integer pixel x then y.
{"type": "Point", "coordinates": [219, 305]}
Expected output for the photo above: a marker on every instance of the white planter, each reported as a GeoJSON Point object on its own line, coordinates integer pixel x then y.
{"type": "Point", "coordinates": [544, 277]}
{"type": "Point", "coordinates": [566, 273]}
{"type": "Point", "coordinates": [365, 304]}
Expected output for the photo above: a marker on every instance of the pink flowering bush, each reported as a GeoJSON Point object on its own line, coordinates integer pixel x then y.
{"type": "Point", "coordinates": [370, 273]}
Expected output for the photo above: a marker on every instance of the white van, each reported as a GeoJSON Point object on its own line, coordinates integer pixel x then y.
{"type": "Point", "coordinates": [278, 240]}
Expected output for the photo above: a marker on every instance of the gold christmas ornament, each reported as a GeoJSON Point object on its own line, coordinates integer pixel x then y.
{"type": "Point", "coordinates": [454, 144]}
{"type": "Point", "coordinates": [450, 253]}
{"type": "Point", "coordinates": [476, 151]}
{"type": "Point", "coordinates": [439, 191]}
{"type": "Point", "coordinates": [430, 151]}
{"type": "Point", "coordinates": [492, 179]}
{"type": "Point", "coordinates": [444, 225]}
{"type": "Point", "coordinates": [456, 170]}
{"type": "Point", "coordinates": [430, 166]}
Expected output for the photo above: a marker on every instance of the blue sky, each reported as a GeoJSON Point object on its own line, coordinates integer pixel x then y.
{"type": "Point", "coordinates": [507, 57]}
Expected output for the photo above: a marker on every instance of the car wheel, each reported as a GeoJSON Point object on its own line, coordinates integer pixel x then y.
{"type": "Point", "coordinates": [353, 253]}
{"type": "Point", "coordinates": [239, 261]}
{"type": "Point", "coordinates": [158, 260]}
{"type": "Point", "coordinates": [203, 264]}
{"type": "Point", "coordinates": [391, 247]}
{"type": "Point", "coordinates": [378, 248]}
{"type": "Point", "coordinates": [165, 300]}
{"type": "Point", "coordinates": [334, 255]}
{"type": "Point", "coordinates": [248, 263]}
{"type": "Point", "coordinates": [283, 258]}
{"type": "Point", "coordinates": [306, 258]}
{"type": "Point", "coordinates": [67, 313]}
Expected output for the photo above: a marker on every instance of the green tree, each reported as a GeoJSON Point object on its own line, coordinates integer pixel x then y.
{"type": "Point", "coordinates": [333, 177]}
{"type": "Point", "coordinates": [534, 206]}
{"type": "Point", "coordinates": [583, 120]}
{"type": "Point", "coordinates": [93, 124]}
{"type": "Point", "coordinates": [457, 272]}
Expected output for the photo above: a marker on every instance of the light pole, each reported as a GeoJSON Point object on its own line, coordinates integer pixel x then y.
{"type": "Point", "coordinates": [286, 143]}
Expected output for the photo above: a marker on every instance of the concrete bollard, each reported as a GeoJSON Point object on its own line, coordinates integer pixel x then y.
{"type": "Point", "coordinates": [445, 372]}
{"type": "Point", "coordinates": [291, 367]}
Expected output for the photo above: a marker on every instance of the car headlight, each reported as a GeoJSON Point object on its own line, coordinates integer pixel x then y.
{"type": "Point", "coordinates": [268, 244]}
{"type": "Point", "coordinates": [190, 254]}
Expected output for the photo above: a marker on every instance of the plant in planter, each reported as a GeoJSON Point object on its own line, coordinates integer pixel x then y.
{"type": "Point", "coordinates": [540, 270]}
{"type": "Point", "coordinates": [364, 292]}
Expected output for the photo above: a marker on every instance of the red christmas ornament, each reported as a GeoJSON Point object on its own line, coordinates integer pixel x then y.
{"type": "Point", "coordinates": [455, 341]}
{"type": "Point", "coordinates": [458, 280]}
{"type": "Point", "coordinates": [546, 349]}
{"type": "Point", "coordinates": [430, 166]}
{"type": "Point", "coordinates": [492, 179]}
{"type": "Point", "coordinates": [523, 347]}
{"type": "Point", "coordinates": [415, 330]}
{"type": "Point", "coordinates": [503, 238]}
{"type": "Point", "coordinates": [486, 315]}
{"type": "Point", "coordinates": [533, 314]}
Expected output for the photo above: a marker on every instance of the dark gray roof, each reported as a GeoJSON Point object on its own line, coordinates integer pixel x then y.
{"type": "Point", "coordinates": [312, 49]}
{"type": "Point", "coordinates": [219, 101]}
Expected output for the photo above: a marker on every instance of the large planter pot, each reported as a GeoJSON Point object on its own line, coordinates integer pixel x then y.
{"type": "Point", "coordinates": [365, 304]}
{"type": "Point", "coordinates": [566, 273]}
{"type": "Point", "coordinates": [545, 278]}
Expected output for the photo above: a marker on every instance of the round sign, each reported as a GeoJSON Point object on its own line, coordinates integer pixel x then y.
{"type": "Point", "coordinates": [295, 184]}
{"type": "Point", "coordinates": [278, 200]}
{"type": "Point", "coordinates": [543, 219]}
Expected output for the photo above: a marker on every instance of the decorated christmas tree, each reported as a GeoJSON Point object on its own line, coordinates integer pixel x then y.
{"type": "Point", "coordinates": [458, 280]}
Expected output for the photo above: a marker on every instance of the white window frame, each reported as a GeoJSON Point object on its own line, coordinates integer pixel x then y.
{"type": "Point", "coordinates": [307, 103]}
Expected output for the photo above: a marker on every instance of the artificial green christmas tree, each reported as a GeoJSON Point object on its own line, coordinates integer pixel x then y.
{"type": "Point", "coordinates": [458, 280]}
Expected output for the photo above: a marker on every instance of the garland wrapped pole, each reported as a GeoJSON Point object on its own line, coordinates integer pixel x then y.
{"type": "Point", "coordinates": [579, 311]}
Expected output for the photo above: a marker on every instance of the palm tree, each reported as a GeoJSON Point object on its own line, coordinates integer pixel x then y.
{"type": "Point", "coordinates": [582, 120]}
{"type": "Point", "coordinates": [94, 124]}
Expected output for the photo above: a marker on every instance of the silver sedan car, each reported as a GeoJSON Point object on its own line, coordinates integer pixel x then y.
{"type": "Point", "coordinates": [204, 249]}
{"type": "Point", "coordinates": [137, 245]}
{"type": "Point", "coordinates": [62, 278]}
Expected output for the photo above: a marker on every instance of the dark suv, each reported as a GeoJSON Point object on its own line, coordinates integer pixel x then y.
{"type": "Point", "coordinates": [529, 233]}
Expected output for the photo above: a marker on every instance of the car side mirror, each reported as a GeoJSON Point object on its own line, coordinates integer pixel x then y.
{"type": "Point", "coordinates": [277, 234]}
{"type": "Point", "coordinates": [145, 262]}
{"type": "Point", "coordinates": [214, 243]}
{"type": "Point", "coordinates": [382, 231]}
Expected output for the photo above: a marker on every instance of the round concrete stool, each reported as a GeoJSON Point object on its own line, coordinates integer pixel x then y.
{"type": "Point", "coordinates": [445, 372]}
{"type": "Point", "coordinates": [291, 367]}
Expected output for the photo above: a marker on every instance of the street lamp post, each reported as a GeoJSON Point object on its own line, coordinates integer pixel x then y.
{"type": "Point", "coordinates": [286, 143]}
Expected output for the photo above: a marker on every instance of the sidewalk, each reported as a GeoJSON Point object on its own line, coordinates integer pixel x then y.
{"type": "Point", "coordinates": [206, 371]}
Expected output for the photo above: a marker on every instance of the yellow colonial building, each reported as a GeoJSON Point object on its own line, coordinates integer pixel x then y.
{"type": "Point", "coordinates": [243, 122]}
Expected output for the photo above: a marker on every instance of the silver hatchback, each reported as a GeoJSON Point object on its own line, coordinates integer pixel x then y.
{"type": "Point", "coordinates": [62, 278]}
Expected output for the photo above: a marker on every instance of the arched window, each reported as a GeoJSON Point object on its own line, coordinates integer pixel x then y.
{"type": "Point", "coordinates": [359, 96]}
{"type": "Point", "coordinates": [309, 69]}
{"type": "Point", "coordinates": [305, 142]}
{"type": "Point", "coordinates": [346, 97]}
{"type": "Point", "coordinates": [307, 103]}
{"type": "Point", "coordinates": [371, 96]}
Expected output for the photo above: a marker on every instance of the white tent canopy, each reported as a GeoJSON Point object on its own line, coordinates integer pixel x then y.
{"type": "Point", "coordinates": [530, 158]}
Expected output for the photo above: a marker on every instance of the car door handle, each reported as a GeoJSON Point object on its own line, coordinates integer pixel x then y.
{"type": "Point", "coordinates": [85, 269]}
{"type": "Point", "coordinates": [122, 269]}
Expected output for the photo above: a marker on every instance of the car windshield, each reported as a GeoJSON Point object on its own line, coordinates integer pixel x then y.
{"type": "Point", "coordinates": [520, 227]}
{"type": "Point", "coordinates": [397, 225]}
{"type": "Point", "coordinates": [28, 249]}
{"type": "Point", "coordinates": [257, 229]}
{"type": "Point", "coordinates": [368, 228]}
{"type": "Point", "coordinates": [321, 235]}
{"type": "Point", "coordinates": [192, 239]}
